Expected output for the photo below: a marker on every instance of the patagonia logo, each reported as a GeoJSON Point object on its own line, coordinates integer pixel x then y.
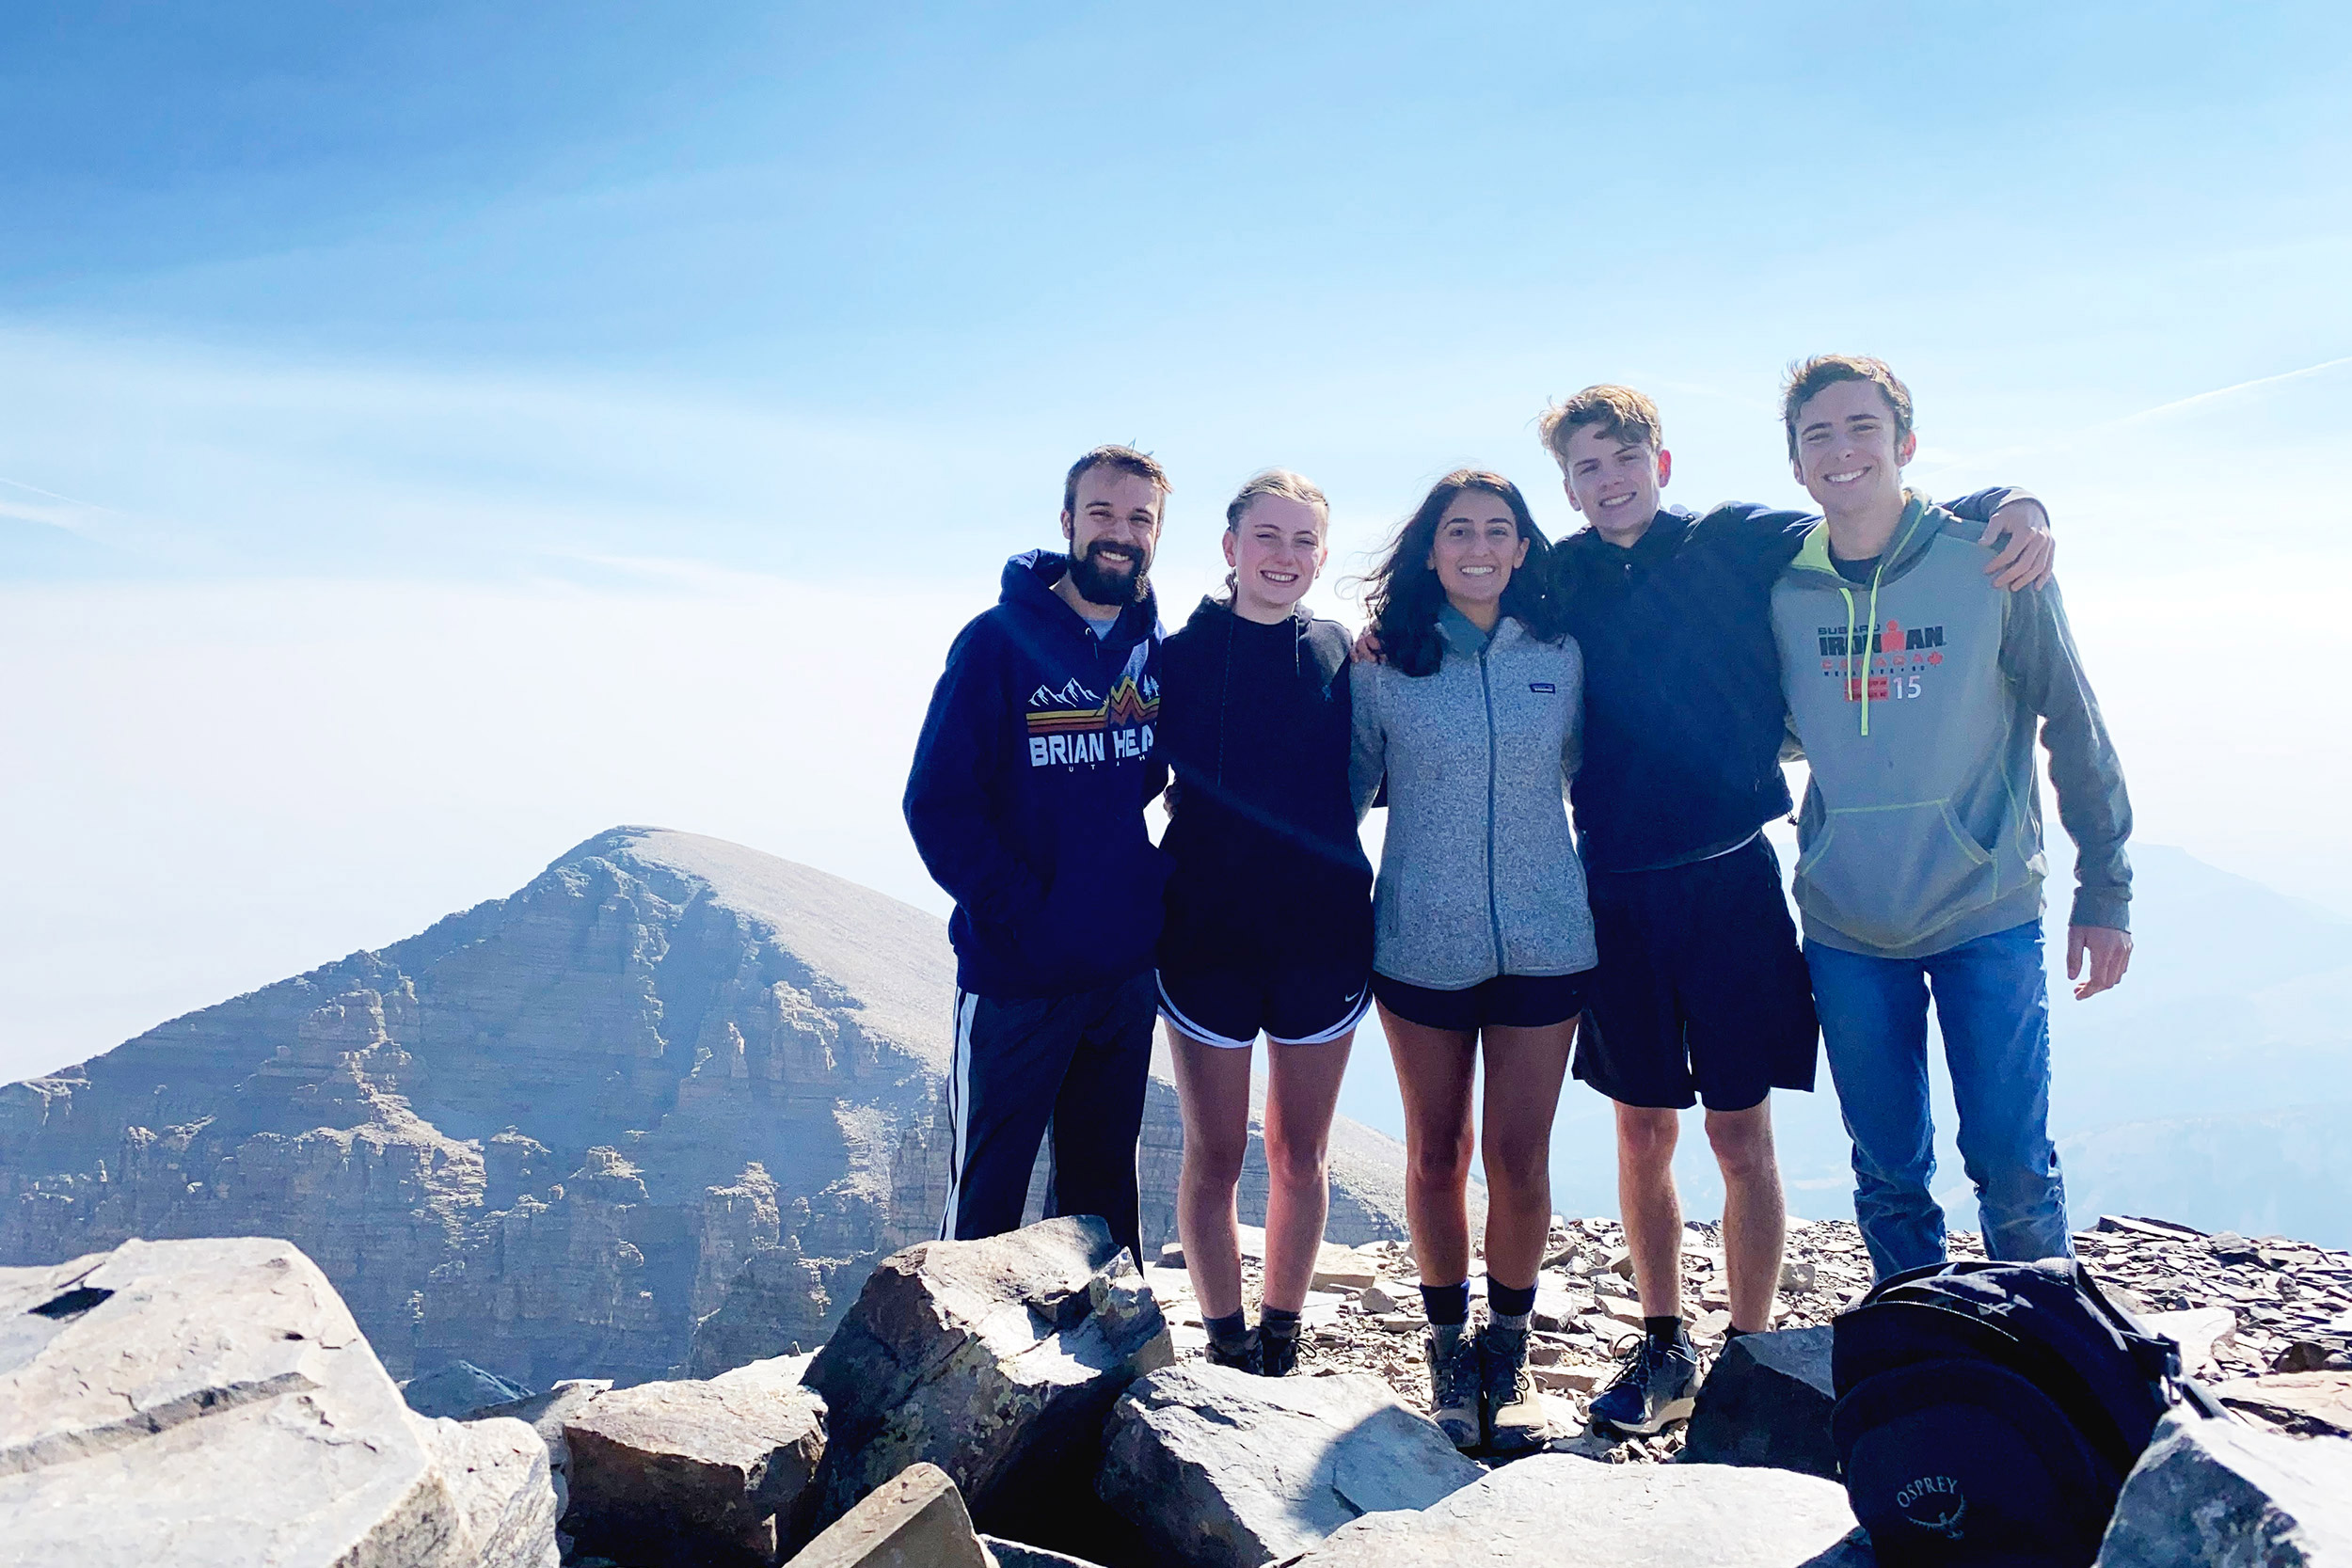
{"type": "Point", "coordinates": [1545, 686]}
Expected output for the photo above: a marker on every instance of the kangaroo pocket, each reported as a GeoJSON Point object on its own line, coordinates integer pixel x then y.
{"type": "Point", "coordinates": [1892, 875]}
{"type": "Point", "coordinates": [1100, 921]}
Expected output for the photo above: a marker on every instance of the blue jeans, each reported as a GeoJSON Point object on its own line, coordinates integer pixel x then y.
{"type": "Point", "coordinates": [1992, 1003]}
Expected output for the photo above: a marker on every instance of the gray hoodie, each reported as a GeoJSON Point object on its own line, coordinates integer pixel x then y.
{"type": "Point", "coordinates": [1915, 697]}
{"type": "Point", "coordinates": [1478, 874]}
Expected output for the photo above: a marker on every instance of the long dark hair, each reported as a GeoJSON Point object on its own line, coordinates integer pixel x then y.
{"type": "Point", "coordinates": [1405, 595]}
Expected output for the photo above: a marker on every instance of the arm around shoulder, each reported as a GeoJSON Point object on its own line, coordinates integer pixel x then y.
{"type": "Point", "coordinates": [2017, 530]}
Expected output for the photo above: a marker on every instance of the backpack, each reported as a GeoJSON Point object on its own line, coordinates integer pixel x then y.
{"type": "Point", "coordinates": [1988, 1413]}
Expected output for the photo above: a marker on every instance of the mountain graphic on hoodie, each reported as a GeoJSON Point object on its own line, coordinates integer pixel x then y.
{"type": "Point", "coordinates": [1072, 695]}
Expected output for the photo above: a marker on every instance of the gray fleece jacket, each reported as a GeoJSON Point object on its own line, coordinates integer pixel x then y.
{"type": "Point", "coordinates": [1479, 876]}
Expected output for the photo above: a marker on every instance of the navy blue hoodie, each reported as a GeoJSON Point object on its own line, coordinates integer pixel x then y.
{"type": "Point", "coordinates": [1260, 825]}
{"type": "Point", "coordinates": [1027, 797]}
{"type": "Point", "coordinates": [1683, 712]}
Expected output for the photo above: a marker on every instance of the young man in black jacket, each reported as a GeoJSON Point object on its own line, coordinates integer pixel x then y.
{"type": "Point", "coordinates": [1026, 804]}
{"type": "Point", "coordinates": [1702, 994]}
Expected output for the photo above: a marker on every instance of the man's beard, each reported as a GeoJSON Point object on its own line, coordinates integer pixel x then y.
{"type": "Point", "coordinates": [1109, 582]}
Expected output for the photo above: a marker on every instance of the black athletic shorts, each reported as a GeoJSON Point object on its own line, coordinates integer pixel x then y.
{"type": "Point", "coordinates": [1702, 992]}
{"type": "Point", "coordinates": [1506, 1002]}
{"type": "Point", "coordinates": [1288, 1002]}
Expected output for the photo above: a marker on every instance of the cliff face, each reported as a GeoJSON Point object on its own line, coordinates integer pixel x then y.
{"type": "Point", "coordinates": [552, 1133]}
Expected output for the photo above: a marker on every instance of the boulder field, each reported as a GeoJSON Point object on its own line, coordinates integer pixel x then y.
{"type": "Point", "coordinates": [1014, 1403]}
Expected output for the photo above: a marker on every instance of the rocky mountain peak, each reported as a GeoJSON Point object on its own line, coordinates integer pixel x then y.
{"type": "Point", "coordinates": [669, 1080]}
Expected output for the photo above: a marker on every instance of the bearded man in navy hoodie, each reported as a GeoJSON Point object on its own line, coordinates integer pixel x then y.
{"type": "Point", "coordinates": [1026, 805]}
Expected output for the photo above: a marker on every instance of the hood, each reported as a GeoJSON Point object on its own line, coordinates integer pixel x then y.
{"type": "Point", "coordinates": [1215, 617]}
{"type": "Point", "coordinates": [1028, 585]}
{"type": "Point", "coordinates": [1213, 611]}
{"type": "Point", "coordinates": [1922, 521]}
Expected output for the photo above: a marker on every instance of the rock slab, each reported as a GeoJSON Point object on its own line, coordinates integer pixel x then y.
{"type": "Point", "coordinates": [206, 1402]}
{"type": "Point", "coordinates": [1220, 1469]}
{"type": "Point", "coordinates": [2222, 1492]}
{"type": "Point", "coordinates": [546, 1414]}
{"type": "Point", "coordinates": [1558, 1511]}
{"type": "Point", "coordinates": [917, 1519]}
{"type": "Point", "coordinates": [2307, 1403]}
{"type": "Point", "coordinates": [1766, 1401]}
{"type": "Point", "coordinates": [722, 1468]}
{"type": "Point", "coordinates": [995, 1360]}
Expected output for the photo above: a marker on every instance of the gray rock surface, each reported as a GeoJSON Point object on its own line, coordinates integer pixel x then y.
{"type": "Point", "coordinates": [1556, 1510]}
{"type": "Point", "coordinates": [719, 1469]}
{"type": "Point", "coordinates": [1767, 1401]}
{"type": "Point", "coordinates": [458, 1391]}
{"type": "Point", "coordinates": [995, 1360]}
{"type": "Point", "coordinates": [213, 1403]}
{"type": "Point", "coordinates": [2225, 1493]}
{"type": "Point", "coordinates": [499, 1476]}
{"type": "Point", "coordinates": [2309, 1404]}
{"type": "Point", "coordinates": [556, 1130]}
{"type": "Point", "coordinates": [915, 1519]}
{"type": "Point", "coordinates": [1221, 1469]}
{"type": "Point", "coordinates": [546, 1414]}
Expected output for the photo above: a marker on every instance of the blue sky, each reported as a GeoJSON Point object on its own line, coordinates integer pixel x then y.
{"type": "Point", "coordinates": [452, 261]}
{"type": "Point", "coordinates": [431, 427]}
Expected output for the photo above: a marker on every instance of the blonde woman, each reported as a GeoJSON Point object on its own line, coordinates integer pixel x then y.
{"type": "Point", "coordinates": [1269, 914]}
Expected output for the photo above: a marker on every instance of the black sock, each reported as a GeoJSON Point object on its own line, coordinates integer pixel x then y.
{"type": "Point", "coordinates": [1230, 1332]}
{"type": "Point", "coordinates": [1278, 1323]}
{"type": "Point", "coordinates": [1731, 1334]}
{"type": "Point", "coordinates": [1446, 1304]}
{"type": "Point", "coordinates": [1666, 1331]}
{"type": "Point", "coordinates": [1509, 1301]}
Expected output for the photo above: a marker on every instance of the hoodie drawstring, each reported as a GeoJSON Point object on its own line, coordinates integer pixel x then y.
{"type": "Point", "coordinates": [1225, 695]}
{"type": "Point", "coordinates": [1847, 594]}
{"type": "Point", "coordinates": [1869, 640]}
{"type": "Point", "coordinates": [1870, 632]}
{"type": "Point", "coordinates": [1870, 636]}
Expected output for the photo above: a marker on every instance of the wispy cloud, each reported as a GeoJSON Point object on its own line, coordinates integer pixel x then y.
{"type": "Point", "coordinates": [61, 511]}
{"type": "Point", "coordinates": [2199, 399]}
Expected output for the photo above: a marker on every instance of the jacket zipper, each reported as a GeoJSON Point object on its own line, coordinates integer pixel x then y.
{"type": "Point", "coordinates": [1494, 914]}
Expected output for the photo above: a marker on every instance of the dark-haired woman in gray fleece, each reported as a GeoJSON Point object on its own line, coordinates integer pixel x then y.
{"type": "Point", "coordinates": [1482, 935]}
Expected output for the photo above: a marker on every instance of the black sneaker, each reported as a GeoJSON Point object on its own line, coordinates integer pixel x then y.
{"type": "Point", "coordinates": [1277, 1348]}
{"type": "Point", "coordinates": [1656, 1385]}
{"type": "Point", "coordinates": [1513, 1413]}
{"type": "Point", "coordinates": [1245, 1356]}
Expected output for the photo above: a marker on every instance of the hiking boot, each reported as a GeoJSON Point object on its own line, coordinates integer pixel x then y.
{"type": "Point", "coordinates": [1277, 1348]}
{"type": "Point", "coordinates": [1656, 1387]}
{"type": "Point", "coordinates": [1515, 1416]}
{"type": "Point", "coordinates": [1245, 1356]}
{"type": "Point", "coordinates": [1453, 1383]}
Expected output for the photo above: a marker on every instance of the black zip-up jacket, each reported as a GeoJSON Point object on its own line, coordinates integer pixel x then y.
{"type": "Point", "coordinates": [1683, 712]}
{"type": "Point", "coordinates": [1027, 797]}
{"type": "Point", "coordinates": [1256, 727]}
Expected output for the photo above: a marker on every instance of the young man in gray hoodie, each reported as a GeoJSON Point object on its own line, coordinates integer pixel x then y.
{"type": "Point", "coordinates": [1916, 688]}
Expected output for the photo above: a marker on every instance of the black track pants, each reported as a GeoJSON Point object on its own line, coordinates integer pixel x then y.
{"type": "Point", "coordinates": [1073, 1066]}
